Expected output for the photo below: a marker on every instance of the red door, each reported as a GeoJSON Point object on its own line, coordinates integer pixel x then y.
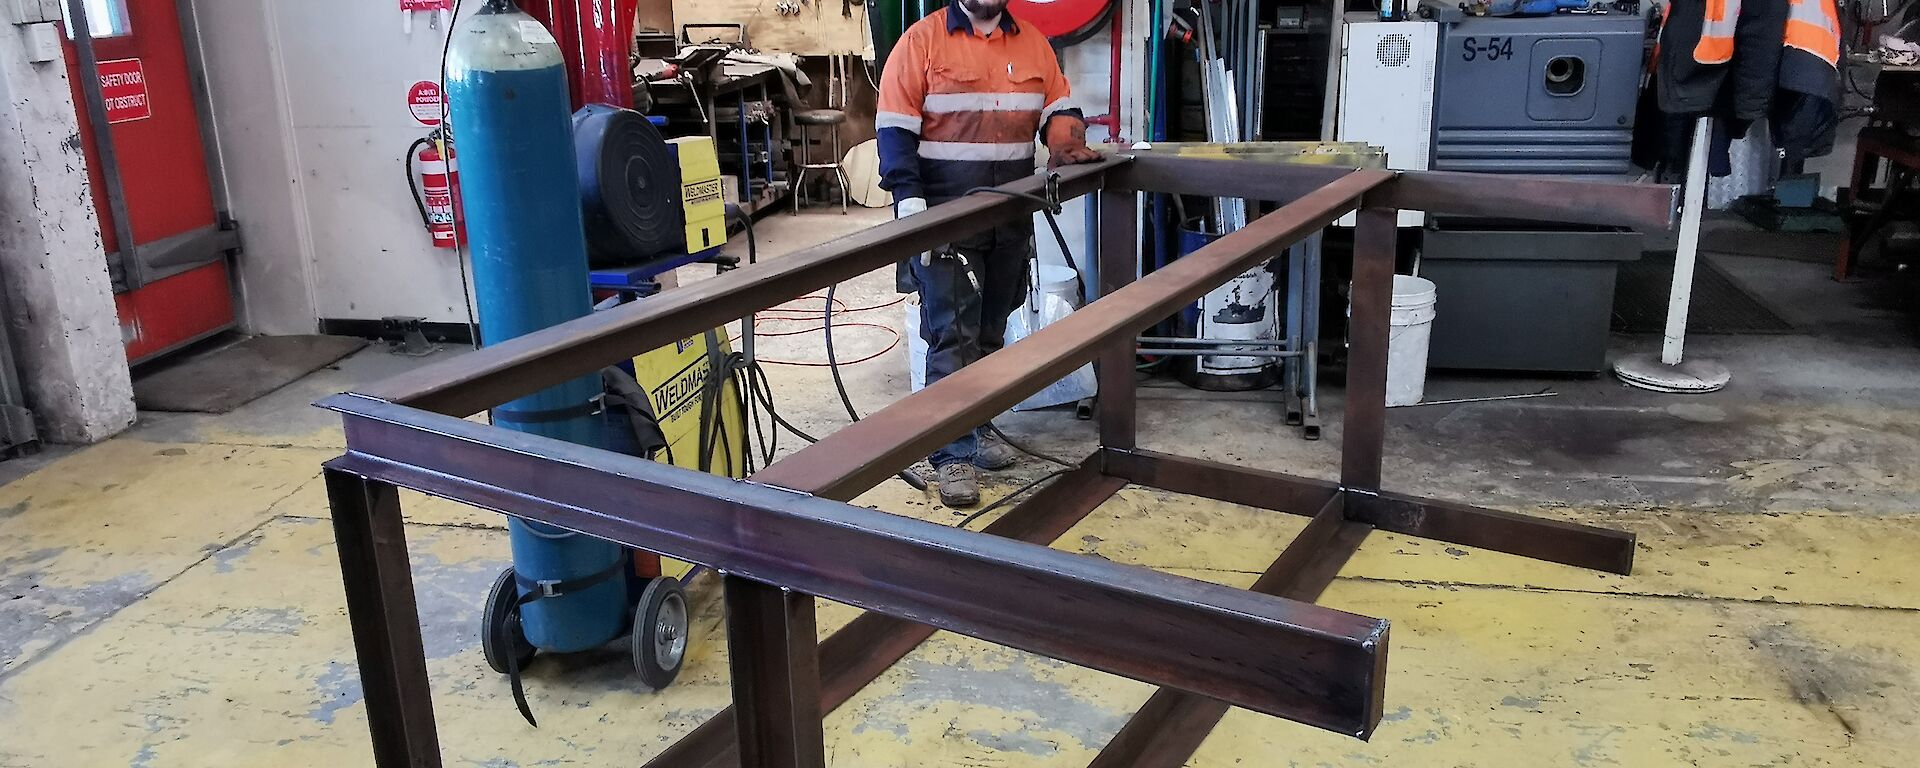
{"type": "Point", "coordinates": [172, 287]}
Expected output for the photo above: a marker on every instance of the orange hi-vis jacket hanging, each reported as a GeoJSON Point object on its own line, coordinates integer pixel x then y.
{"type": "Point", "coordinates": [1812, 26]}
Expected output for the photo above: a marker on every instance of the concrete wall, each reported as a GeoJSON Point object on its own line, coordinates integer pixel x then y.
{"type": "Point", "coordinates": [251, 125]}
{"type": "Point", "coordinates": [310, 107]}
{"type": "Point", "coordinates": [66, 332]}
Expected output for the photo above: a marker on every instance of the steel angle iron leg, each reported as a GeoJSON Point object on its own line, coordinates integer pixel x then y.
{"type": "Point", "coordinates": [1363, 430]}
{"type": "Point", "coordinates": [776, 675]}
{"type": "Point", "coordinates": [372, 541]}
{"type": "Point", "coordinates": [1119, 263]}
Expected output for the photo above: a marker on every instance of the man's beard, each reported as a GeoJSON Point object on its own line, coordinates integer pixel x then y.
{"type": "Point", "coordinates": [983, 9]}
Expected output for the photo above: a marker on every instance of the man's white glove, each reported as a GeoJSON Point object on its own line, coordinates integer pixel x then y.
{"type": "Point", "coordinates": [908, 207]}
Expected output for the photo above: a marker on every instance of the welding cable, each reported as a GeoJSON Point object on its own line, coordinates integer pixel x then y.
{"type": "Point", "coordinates": [833, 360]}
{"type": "Point", "coordinates": [763, 391]}
{"type": "Point", "coordinates": [1026, 449]}
{"type": "Point", "coordinates": [1002, 501]}
{"type": "Point", "coordinates": [1047, 208]}
{"type": "Point", "coordinates": [840, 385]}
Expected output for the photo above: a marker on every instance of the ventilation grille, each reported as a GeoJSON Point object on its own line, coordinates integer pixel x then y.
{"type": "Point", "coordinates": [1394, 50]}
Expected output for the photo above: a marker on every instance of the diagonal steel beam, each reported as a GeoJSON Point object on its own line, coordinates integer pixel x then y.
{"type": "Point", "coordinates": [866, 647]}
{"type": "Point", "coordinates": [912, 427]}
{"type": "Point", "coordinates": [1170, 727]}
{"type": "Point", "coordinates": [1295, 660]}
{"type": "Point", "coordinates": [1647, 207]}
{"type": "Point", "coordinates": [1583, 546]}
{"type": "Point", "coordinates": [485, 378]}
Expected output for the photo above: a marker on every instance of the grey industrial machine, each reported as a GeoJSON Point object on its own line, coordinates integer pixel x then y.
{"type": "Point", "coordinates": [1547, 95]}
{"type": "Point", "coordinates": [1538, 95]}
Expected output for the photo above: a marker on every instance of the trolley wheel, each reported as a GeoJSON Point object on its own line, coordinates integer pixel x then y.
{"type": "Point", "coordinates": [500, 632]}
{"type": "Point", "coordinates": [660, 632]}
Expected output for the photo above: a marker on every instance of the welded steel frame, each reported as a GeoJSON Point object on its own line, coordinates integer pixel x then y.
{"type": "Point", "coordinates": [787, 535]}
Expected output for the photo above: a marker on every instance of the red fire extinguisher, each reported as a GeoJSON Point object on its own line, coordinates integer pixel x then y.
{"type": "Point", "coordinates": [434, 176]}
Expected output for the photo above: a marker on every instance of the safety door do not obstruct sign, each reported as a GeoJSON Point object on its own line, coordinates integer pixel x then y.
{"type": "Point", "coordinates": [123, 85]}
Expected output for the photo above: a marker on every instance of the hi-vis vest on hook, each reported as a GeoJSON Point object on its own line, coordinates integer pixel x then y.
{"type": "Point", "coordinates": [1812, 26]}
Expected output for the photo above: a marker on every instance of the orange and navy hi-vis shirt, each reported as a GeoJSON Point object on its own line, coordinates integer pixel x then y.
{"type": "Point", "coordinates": [959, 110]}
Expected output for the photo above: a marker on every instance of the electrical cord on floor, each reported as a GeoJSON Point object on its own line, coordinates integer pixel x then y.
{"type": "Point", "coordinates": [1026, 449]}
{"type": "Point", "coordinates": [1002, 501]}
{"type": "Point", "coordinates": [833, 359]}
{"type": "Point", "coordinates": [764, 390]}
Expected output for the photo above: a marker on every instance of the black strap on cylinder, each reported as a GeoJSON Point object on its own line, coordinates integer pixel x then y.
{"type": "Point", "coordinates": [532, 590]}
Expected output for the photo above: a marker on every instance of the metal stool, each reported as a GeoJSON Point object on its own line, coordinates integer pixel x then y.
{"type": "Point", "coordinates": [831, 119]}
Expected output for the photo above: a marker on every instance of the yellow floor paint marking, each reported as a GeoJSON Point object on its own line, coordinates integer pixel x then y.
{"type": "Point", "coordinates": [251, 664]}
{"type": "Point", "coordinates": [86, 535]}
{"type": "Point", "coordinates": [1504, 677]}
{"type": "Point", "coordinates": [246, 659]}
{"type": "Point", "coordinates": [1811, 557]}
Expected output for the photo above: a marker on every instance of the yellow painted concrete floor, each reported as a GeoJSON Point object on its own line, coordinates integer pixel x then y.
{"type": "Point", "coordinates": [172, 598]}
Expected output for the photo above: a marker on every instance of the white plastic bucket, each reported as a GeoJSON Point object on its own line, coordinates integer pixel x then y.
{"type": "Point", "coordinates": [1414, 302]}
{"type": "Point", "coordinates": [1054, 280]}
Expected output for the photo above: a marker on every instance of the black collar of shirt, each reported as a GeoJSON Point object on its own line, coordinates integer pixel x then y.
{"type": "Point", "coordinates": [958, 21]}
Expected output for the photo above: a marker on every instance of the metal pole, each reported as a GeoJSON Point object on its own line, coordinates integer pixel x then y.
{"type": "Point", "coordinates": [372, 541]}
{"type": "Point", "coordinates": [771, 645]}
{"type": "Point", "coordinates": [1363, 435]}
{"type": "Point", "coordinates": [1695, 197]}
{"type": "Point", "coordinates": [131, 275]}
{"type": "Point", "coordinates": [1118, 265]}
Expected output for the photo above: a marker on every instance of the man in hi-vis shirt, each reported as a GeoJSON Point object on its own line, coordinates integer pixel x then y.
{"type": "Point", "coordinates": [963, 95]}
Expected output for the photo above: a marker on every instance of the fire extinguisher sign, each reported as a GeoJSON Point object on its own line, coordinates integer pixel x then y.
{"type": "Point", "coordinates": [425, 101]}
{"type": "Point", "coordinates": [123, 86]}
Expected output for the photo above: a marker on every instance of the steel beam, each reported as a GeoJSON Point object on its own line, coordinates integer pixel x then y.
{"type": "Point", "coordinates": [479, 380]}
{"type": "Point", "coordinates": [771, 636]}
{"type": "Point", "coordinates": [1582, 546]}
{"type": "Point", "coordinates": [866, 647]}
{"type": "Point", "coordinates": [879, 445]}
{"type": "Point", "coordinates": [1645, 207]}
{"type": "Point", "coordinates": [1648, 207]}
{"type": "Point", "coordinates": [1299, 661]}
{"type": "Point", "coordinates": [1363, 423]}
{"type": "Point", "coordinates": [1221, 482]}
{"type": "Point", "coordinates": [1169, 728]}
{"type": "Point", "coordinates": [1274, 182]}
{"type": "Point", "coordinates": [1119, 267]}
{"type": "Point", "coordinates": [372, 542]}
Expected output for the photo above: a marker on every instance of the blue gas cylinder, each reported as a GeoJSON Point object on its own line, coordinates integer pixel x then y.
{"type": "Point", "coordinates": [511, 118]}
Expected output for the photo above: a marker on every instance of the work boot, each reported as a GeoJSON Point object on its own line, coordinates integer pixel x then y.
{"type": "Point", "coordinates": [959, 487]}
{"type": "Point", "coordinates": [993, 454]}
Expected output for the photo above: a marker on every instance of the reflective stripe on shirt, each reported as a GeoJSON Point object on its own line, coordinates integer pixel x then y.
{"type": "Point", "coordinates": [984, 102]}
{"type": "Point", "coordinates": [961, 150]}
{"type": "Point", "coordinates": [896, 120]}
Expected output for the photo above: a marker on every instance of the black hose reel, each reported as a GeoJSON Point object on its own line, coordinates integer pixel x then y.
{"type": "Point", "coordinates": [629, 187]}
